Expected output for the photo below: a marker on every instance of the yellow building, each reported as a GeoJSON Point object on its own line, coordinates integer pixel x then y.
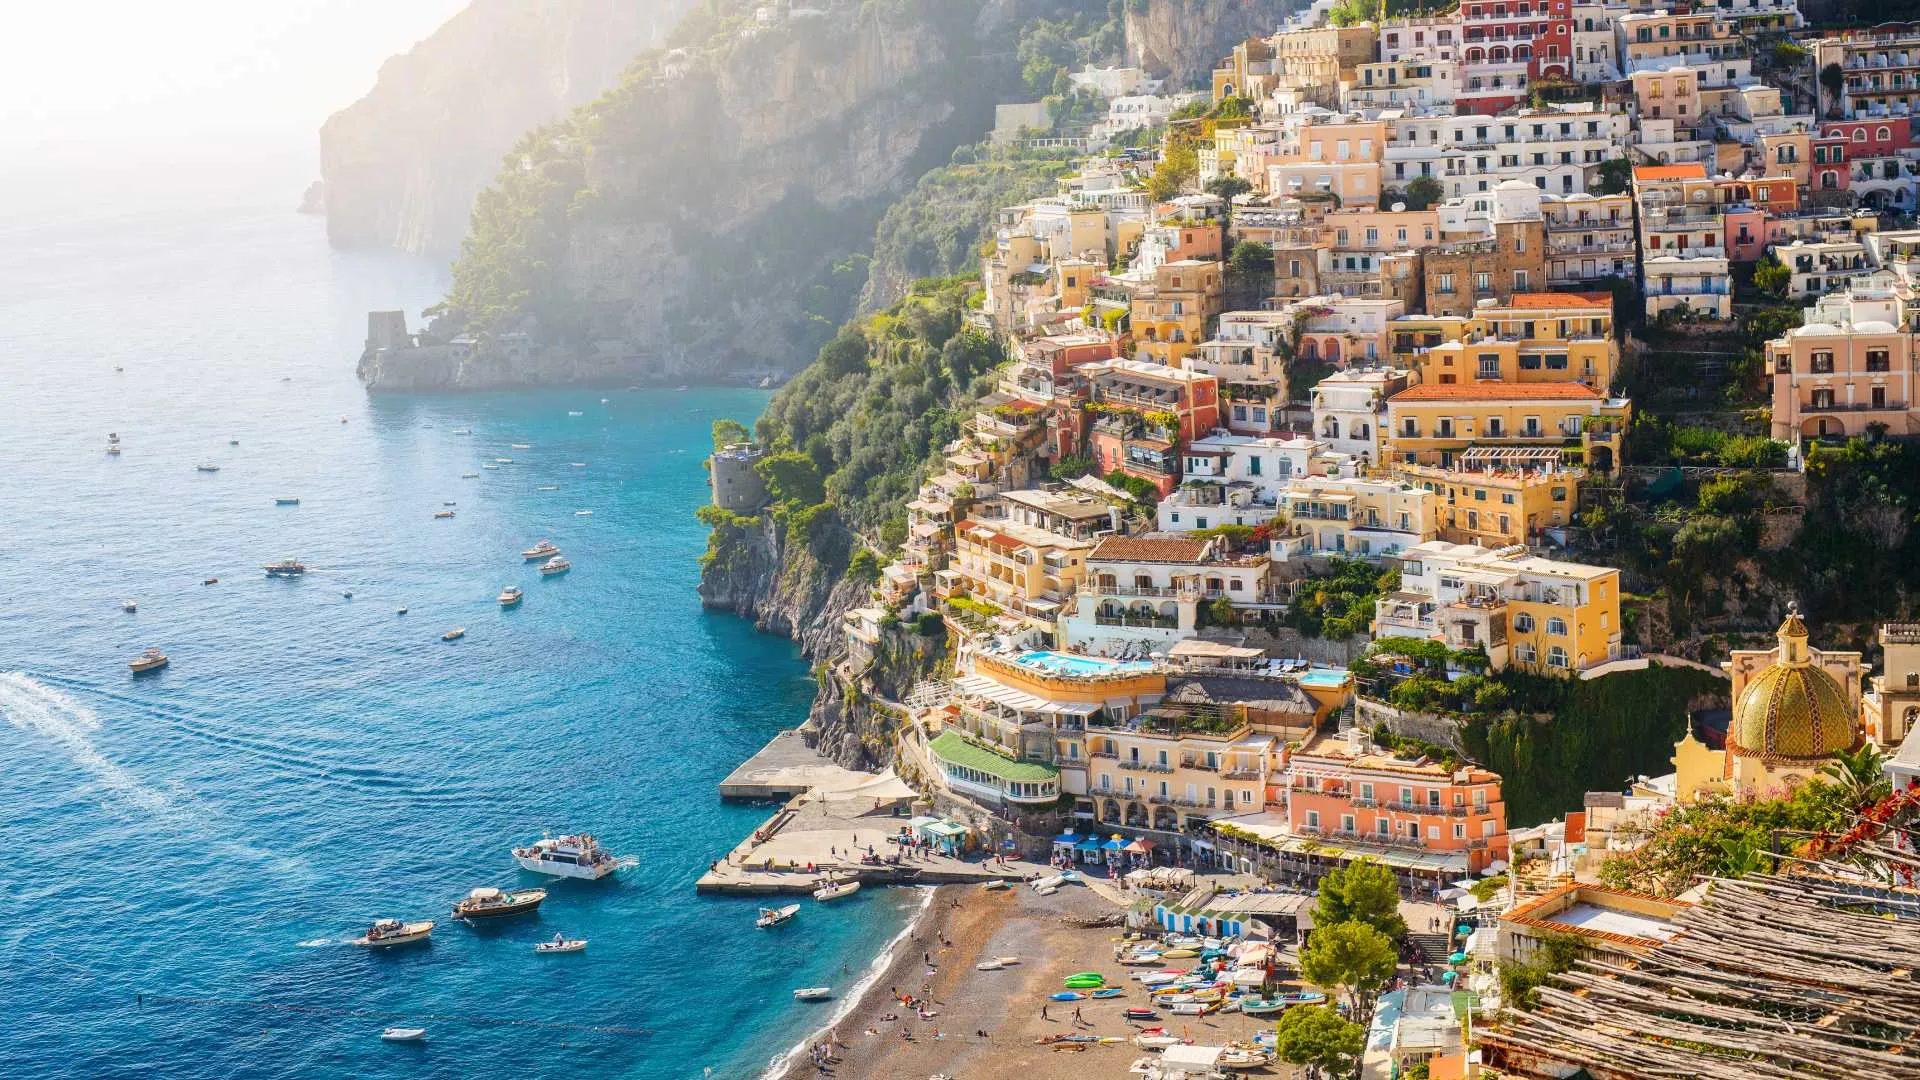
{"type": "Point", "coordinates": [1170, 317]}
{"type": "Point", "coordinates": [1496, 498]}
{"type": "Point", "coordinates": [1168, 770]}
{"type": "Point", "coordinates": [1434, 423]}
{"type": "Point", "coordinates": [1018, 568]}
{"type": "Point", "coordinates": [1794, 708]}
{"type": "Point", "coordinates": [1535, 338]}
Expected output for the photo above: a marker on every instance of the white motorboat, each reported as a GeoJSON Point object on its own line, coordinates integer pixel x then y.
{"type": "Point", "coordinates": [113, 436]}
{"type": "Point", "coordinates": [545, 549]}
{"type": "Point", "coordinates": [286, 568]}
{"type": "Point", "coordinates": [578, 464]}
{"type": "Point", "coordinates": [454, 634]}
{"type": "Point", "coordinates": [400, 1034]}
{"type": "Point", "coordinates": [469, 476]}
{"type": "Point", "coordinates": [151, 660]}
{"type": "Point", "coordinates": [510, 596]}
{"type": "Point", "coordinates": [522, 446]}
{"type": "Point", "coordinates": [556, 565]}
{"type": "Point", "coordinates": [387, 933]}
{"type": "Point", "coordinates": [583, 513]}
{"type": "Point", "coordinates": [206, 466]}
{"type": "Point", "coordinates": [129, 606]}
{"type": "Point", "coordinates": [462, 431]}
{"type": "Point", "coordinates": [813, 993]}
{"type": "Point", "coordinates": [1240, 1057]}
{"type": "Point", "coordinates": [1158, 1041]}
{"type": "Point", "coordinates": [561, 944]}
{"type": "Point", "coordinates": [834, 889]}
{"type": "Point", "coordinates": [569, 857]}
{"type": "Point", "coordinates": [575, 412]}
{"type": "Point", "coordinates": [489, 466]}
{"type": "Point", "coordinates": [113, 451]}
{"type": "Point", "coordinates": [770, 917]}
{"type": "Point", "coordinates": [503, 461]}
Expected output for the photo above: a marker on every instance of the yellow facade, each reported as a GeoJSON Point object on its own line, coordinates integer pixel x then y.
{"type": "Point", "coordinates": [1139, 778]}
{"type": "Point", "coordinates": [1539, 338]}
{"type": "Point", "coordinates": [1496, 507]}
{"type": "Point", "coordinates": [1015, 567]}
{"type": "Point", "coordinates": [1432, 423]}
{"type": "Point", "coordinates": [1169, 319]}
{"type": "Point", "coordinates": [1562, 628]}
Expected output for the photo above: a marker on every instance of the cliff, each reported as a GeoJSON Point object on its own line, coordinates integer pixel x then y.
{"type": "Point", "coordinates": [401, 166]}
{"type": "Point", "coordinates": [1184, 39]}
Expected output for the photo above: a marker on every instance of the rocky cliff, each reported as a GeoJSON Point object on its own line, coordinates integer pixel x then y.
{"type": "Point", "coordinates": [1184, 39]}
{"type": "Point", "coordinates": [401, 166]}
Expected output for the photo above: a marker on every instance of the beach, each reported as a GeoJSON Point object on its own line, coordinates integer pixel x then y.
{"type": "Point", "coordinates": [1004, 1004]}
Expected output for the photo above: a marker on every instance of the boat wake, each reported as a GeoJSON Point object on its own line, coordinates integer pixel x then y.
{"type": "Point", "coordinates": [321, 943]}
{"type": "Point", "coordinates": [851, 999]}
{"type": "Point", "coordinates": [59, 717]}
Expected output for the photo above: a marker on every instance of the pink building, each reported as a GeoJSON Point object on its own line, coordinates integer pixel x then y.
{"type": "Point", "coordinates": [1746, 233]}
{"type": "Point", "coordinates": [1847, 371]}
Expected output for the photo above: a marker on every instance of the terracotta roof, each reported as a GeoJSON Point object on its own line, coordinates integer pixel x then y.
{"type": "Point", "coordinates": [1560, 299]}
{"type": "Point", "coordinates": [1496, 391]}
{"type": "Point", "coordinates": [1149, 549]}
{"type": "Point", "coordinates": [1691, 171]}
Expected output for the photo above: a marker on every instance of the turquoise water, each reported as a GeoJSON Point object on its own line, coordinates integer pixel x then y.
{"type": "Point", "coordinates": [1073, 664]}
{"type": "Point", "coordinates": [1324, 677]}
{"type": "Point", "coordinates": [310, 762]}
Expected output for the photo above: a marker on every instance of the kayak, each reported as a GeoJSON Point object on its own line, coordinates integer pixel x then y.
{"type": "Point", "coordinates": [1140, 1014]}
{"type": "Point", "coordinates": [1067, 996]}
{"type": "Point", "coordinates": [1108, 992]}
{"type": "Point", "coordinates": [1088, 975]}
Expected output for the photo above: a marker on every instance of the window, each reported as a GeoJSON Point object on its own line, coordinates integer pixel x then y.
{"type": "Point", "coordinates": [1346, 823]}
{"type": "Point", "coordinates": [1877, 360]}
{"type": "Point", "coordinates": [1557, 627]}
{"type": "Point", "coordinates": [1444, 283]}
{"type": "Point", "coordinates": [1382, 828]}
{"type": "Point", "coordinates": [1519, 281]}
{"type": "Point", "coordinates": [1483, 283]}
{"type": "Point", "coordinates": [1557, 657]}
{"type": "Point", "coordinates": [1366, 792]}
{"type": "Point", "coordinates": [1313, 819]}
{"type": "Point", "coordinates": [1523, 623]}
{"type": "Point", "coordinates": [1823, 363]}
{"type": "Point", "coordinates": [1460, 830]}
{"type": "Point", "coordinates": [1489, 365]}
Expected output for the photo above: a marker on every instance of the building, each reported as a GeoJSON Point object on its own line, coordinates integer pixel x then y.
{"type": "Point", "coordinates": [1020, 569]}
{"type": "Point", "coordinates": [1616, 925]}
{"type": "Point", "coordinates": [1880, 72]}
{"type": "Point", "coordinates": [1589, 238]}
{"type": "Point", "coordinates": [1057, 510]}
{"type": "Point", "coordinates": [1794, 708]}
{"type": "Point", "coordinates": [1822, 265]}
{"type": "Point", "coordinates": [1143, 413]}
{"type": "Point", "coordinates": [1143, 593]}
{"type": "Point", "coordinates": [1352, 517]}
{"type": "Point", "coordinates": [1848, 371]}
{"type": "Point", "coordinates": [1434, 423]}
{"type": "Point", "coordinates": [735, 483]}
{"type": "Point", "coordinates": [1512, 260]}
{"type": "Point", "coordinates": [1236, 479]}
{"type": "Point", "coordinates": [1890, 702]}
{"type": "Point", "coordinates": [1683, 238]}
{"type": "Point", "coordinates": [1171, 316]}
{"type": "Point", "coordinates": [1540, 615]}
{"type": "Point", "coordinates": [1533, 338]}
{"type": "Point", "coordinates": [1350, 409]}
{"type": "Point", "coordinates": [1499, 498]}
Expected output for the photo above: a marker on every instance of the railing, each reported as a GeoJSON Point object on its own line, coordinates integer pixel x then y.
{"type": "Point", "coordinates": [1145, 766]}
{"type": "Point", "coordinates": [1854, 406]}
{"type": "Point", "coordinates": [1614, 247]}
{"type": "Point", "coordinates": [1138, 590]}
{"type": "Point", "coordinates": [1155, 622]}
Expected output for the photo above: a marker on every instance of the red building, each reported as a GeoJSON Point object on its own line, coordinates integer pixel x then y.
{"type": "Point", "coordinates": [1830, 156]}
{"type": "Point", "coordinates": [1498, 39]}
{"type": "Point", "coordinates": [1143, 414]}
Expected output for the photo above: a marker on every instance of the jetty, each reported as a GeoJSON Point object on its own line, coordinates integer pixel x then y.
{"type": "Point", "coordinates": [786, 767]}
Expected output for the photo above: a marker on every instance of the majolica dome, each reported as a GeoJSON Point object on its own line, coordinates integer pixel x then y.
{"type": "Point", "coordinates": [1793, 712]}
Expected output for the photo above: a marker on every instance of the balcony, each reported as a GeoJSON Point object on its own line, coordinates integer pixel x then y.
{"type": "Point", "coordinates": [1145, 766]}
{"type": "Point", "coordinates": [1609, 247]}
{"type": "Point", "coordinates": [1177, 592]}
{"type": "Point", "coordinates": [1149, 622]}
{"type": "Point", "coordinates": [1853, 406]}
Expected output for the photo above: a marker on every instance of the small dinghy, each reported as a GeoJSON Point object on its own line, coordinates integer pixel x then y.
{"type": "Point", "coordinates": [834, 889]}
{"type": "Point", "coordinates": [771, 917]}
{"type": "Point", "coordinates": [1137, 1013]}
{"type": "Point", "coordinates": [400, 1034]}
{"type": "Point", "coordinates": [1107, 992]}
{"type": "Point", "coordinates": [813, 993]}
{"type": "Point", "coordinates": [561, 944]}
{"type": "Point", "coordinates": [988, 965]}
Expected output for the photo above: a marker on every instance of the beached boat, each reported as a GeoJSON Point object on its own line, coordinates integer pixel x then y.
{"type": "Point", "coordinates": [813, 993]}
{"type": "Point", "coordinates": [286, 568]}
{"type": "Point", "coordinates": [1240, 1057]}
{"type": "Point", "coordinates": [1008, 960]}
{"type": "Point", "coordinates": [771, 917]}
{"type": "Point", "coordinates": [1156, 1039]}
{"type": "Point", "coordinates": [1067, 995]}
{"type": "Point", "coordinates": [1107, 992]}
{"type": "Point", "coordinates": [442, 514]}
{"type": "Point", "coordinates": [1046, 886]}
{"type": "Point", "coordinates": [490, 903]}
{"type": "Point", "coordinates": [1157, 978]}
{"type": "Point", "coordinates": [1179, 954]}
{"type": "Point", "coordinates": [578, 856]}
{"type": "Point", "coordinates": [995, 885]}
{"type": "Point", "coordinates": [1193, 1008]}
{"type": "Point", "coordinates": [510, 596]}
{"type": "Point", "coordinates": [545, 549]}
{"type": "Point", "coordinates": [989, 965]}
{"type": "Point", "coordinates": [206, 466]}
{"type": "Point", "coordinates": [1138, 1013]}
{"type": "Point", "coordinates": [400, 1034]}
{"type": "Point", "coordinates": [834, 889]}
{"type": "Point", "coordinates": [386, 933]}
{"type": "Point", "coordinates": [151, 660]}
{"type": "Point", "coordinates": [556, 565]}
{"type": "Point", "coordinates": [561, 944]}
{"type": "Point", "coordinates": [1267, 1006]}
{"type": "Point", "coordinates": [287, 500]}
{"type": "Point", "coordinates": [454, 634]}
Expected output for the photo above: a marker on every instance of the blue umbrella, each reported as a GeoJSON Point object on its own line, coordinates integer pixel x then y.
{"type": "Point", "coordinates": [1457, 958]}
{"type": "Point", "coordinates": [1449, 976]}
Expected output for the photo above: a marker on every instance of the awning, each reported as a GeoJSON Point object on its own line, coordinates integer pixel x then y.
{"type": "Point", "coordinates": [1140, 847]}
{"type": "Point", "coordinates": [1115, 844]}
{"type": "Point", "coordinates": [1091, 843]}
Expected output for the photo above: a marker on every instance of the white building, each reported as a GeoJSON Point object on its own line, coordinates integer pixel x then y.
{"type": "Point", "coordinates": [1116, 82]}
{"type": "Point", "coordinates": [1236, 479]}
{"type": "Point", "coordinates": [1143, 593]}
{"type": "Point", "coordinates": [1350, 409]}
{"type": "Point", "coordinates": [1353, 517]}
{"type": "Point", "coordinates": [1588, 237]}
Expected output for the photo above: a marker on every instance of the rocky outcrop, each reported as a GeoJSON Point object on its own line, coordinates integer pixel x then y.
{"type": "Point", "coordinates": [783, 587]}
{"type": "Point", "coordinates": [401, 166]}
{"type": "Point", "coordinates": [1184, 39]}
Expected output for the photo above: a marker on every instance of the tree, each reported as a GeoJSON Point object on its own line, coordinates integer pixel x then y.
{"type": "Point", "coordinates": [1350, 957]}
{"type": "Point", "coordinates": [791, 477]}
{"type": "Point", "coordinates": [1071, 467]}
{"type": "Point", "coordinates": [727, 431]}
{"type": "Point", "coordinates": [1251, 257]}
{"type": "Point", "coordinates": [1423, 191]}
{"type": "Point", "coordinates": [1317, 1035]}
{"type": "Point", "coordinates": [1859, 775]}
{"type": "Point", "coordinates": [1616, 176]}
{"type": "Point", "coordinates": [1228, 186]}
{"type": "Point", "coordinates": [1177, 168]}
{"type": "Point", "coordinates": [1833, 78]}
{"type": "Point", "coordinates": [1363, 892]}
{"type": "Point", "coordinates": [1772, 277]}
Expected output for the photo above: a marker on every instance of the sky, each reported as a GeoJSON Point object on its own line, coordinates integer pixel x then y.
{"type": "Point", "coordinates": [80, 77]}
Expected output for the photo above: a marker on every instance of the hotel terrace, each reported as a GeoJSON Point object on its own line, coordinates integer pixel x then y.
{"type": "Point", "coordinates": [1499, 497]}
{"type": "Point", "coordinates": [1142, 594]}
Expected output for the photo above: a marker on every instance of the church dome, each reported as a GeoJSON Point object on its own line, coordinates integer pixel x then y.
{"type": "Point", "coordinates": [1793, 711]}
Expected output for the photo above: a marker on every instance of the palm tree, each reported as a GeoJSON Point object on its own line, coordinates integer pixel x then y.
{"type": "Point", "coordinates": [1859, 774]}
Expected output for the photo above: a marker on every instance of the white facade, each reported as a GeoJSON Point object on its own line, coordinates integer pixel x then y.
{"type": "Point", "coordinates": [1236, 479]}
{"type": "Point", "coordinates": [1559, 151]}
{"type": "Point", "coordinates": [1354, 517]}
{"type": "Point", "coordinates": [1350, 410]}
{"type": "Point", "coordinates": [1116, 82]}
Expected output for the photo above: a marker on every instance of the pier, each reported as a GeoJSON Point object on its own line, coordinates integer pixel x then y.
{"type": "Point", "coordinates": [786, 767]}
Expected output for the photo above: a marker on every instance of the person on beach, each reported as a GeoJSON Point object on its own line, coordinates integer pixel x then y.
{"type": "Point", "coordinates": [1043, 1012]}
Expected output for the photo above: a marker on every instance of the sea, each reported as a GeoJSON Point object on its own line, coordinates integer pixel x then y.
{"type": "Point", "coordinates": [188, 851]}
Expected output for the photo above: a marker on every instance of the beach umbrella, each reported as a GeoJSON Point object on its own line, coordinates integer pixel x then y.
{"type": "Point", "coordinates": [1463, 930]}
{"type": "Point", "coordinates": [1449, 976]}
{"type": "Point", "coordinates": [1457, 958]}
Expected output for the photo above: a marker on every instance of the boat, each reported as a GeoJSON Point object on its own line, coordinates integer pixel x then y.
{"type": "Point", "coordinates": [450, 502]}
{"type": "Point", "coordinates": [1137, 1013]}
{"type": "Point", "coordinates": [1108, 992]}
{"type": "Point", "coordinates": [1267, 1006]}
{"type": "Point", "coordinates": [490, 903]}
{"type": "Point", "coordinates": [347, 593]}
{"type": "Point", "coordinates": [469, 476]}
{"type": "Point", "coordinates": [1156, 1039]}
{"type": "Point", "coordinates": [771, 917]}
{"type": "Point", "coordinates": [1008, 960]}
{"type": "Point", "coordinates": [1240, 1057]}
{"type": "Point", "coordinates": [286, 568]}
{"type": "Point", "coordinates": [1156, 978]}
{"type": "Point", "coordinates": [233, 442]}
{"type": "Point", "coordinates": [151, 660]}
{"type": "Point", "coordinates": [813, 993]}
{"type": "Point", "coordinates": [503, 461]}
{"type": "Point", "coordinates": [569, 857]}
{"type": "Point", "coordinates": [289, 500]}
{"type": "Point", "coordinates": [578, 464]}
{"type": "Point", "coordinates": [583, 513]}
{"type": "Point", "coordinates": [522, 446]}
{"type": "Point", "coordinates": [1179, 954]}
{"type": "Point", "coordinates": [989, 965]}
{"type": "Point", "coordinates": [575, 412]}
{"type": "Point", "coordinates": [399, 611]}
{"type": "Point", "coordinates": [206, 466]}
{"type": "Point", "coordinates": [548, 487]}
{"type": "Point", "coordinates": [1040, 885]}
{"type": "Point", "coordinates": [113, 436]}
{"type": "Point", "coordinates": [129, 606]}
{"type": "Point", "coordinates": [489, 466]}
{"type": "Point", "coordinates": [545, 549]}
{"type": "Point", "coordinates": [442, 514]}
{"type": "Point", "coordinates": [1067, 995]}
{"type": "Point", "coordinates": [400, 1034]}
{"type": "Point", "coordinates": [454, 634]}
{"type": "Point", "coordinates": [995, 885]}
{"type": "Point", "coordinates": [113, 451]}
{"type": "Point", "coordinates": [211, 581]}
{"type": "Point", "coordinates": [1193, 1008]}
{"type": "Point", "coordinates": [561, 944]}
{"type": "Point", "coordinates": [386, 933]}
{"type": "Point", "coordinates": [462, 431]}
{"type": "Point", "coordinates": [834, 889]}
{"type": "Point", "coordinates": [510, 596]}
{"type": "Point", "coordinates": [556, 565]}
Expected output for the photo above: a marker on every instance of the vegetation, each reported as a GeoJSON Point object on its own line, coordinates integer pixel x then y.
{"type": "Point", "coordinates": [1142, 490]}
{"type": "Point", "coordinates": [1363, 892]}
{"type": "Point", "coordinates": [1771, 277]}
{"type": "Point", "coordinates": [1226, 187]}
{"type": "Point", "coordinates": [1320, 1037]}
{"type": "Point", "coordinates": [1339, 603]}
{"type": "Point", "coordinates": [1856, 552]}
{"type": "Point", "coordinates": [1616, 176]}
{"type": "Point", "coordinates": [1723, 835]}
{"type": "Point", "coordinates": [1519, 979]}
{"type": "Point", "coordinates": [1423, 191]}
{"type": "Point", "coordinates": [1179, 165]}
{"type": "Point", "coordinates": [1352, 958]}
{"type": "Point", "coordinates": [1251, 257]}
{"type": "Point", "coordinates": [728, 432]}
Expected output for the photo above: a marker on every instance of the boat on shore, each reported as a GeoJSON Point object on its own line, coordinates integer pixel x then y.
{"type": "Point", "coordinates": [286, 568]}
{"type": "Point", "coordinates": [771, 917]}
{"type": "Point", "coordinates": [834, 889]}
{"type": "Point", "coordinates": [454, 634]}
{"type": "Point", "coordinates": [510, 596]}
{"type": "Point", "coordinates": [556, 565]}
{"type": "Point", "coordinates": [400, 1034]}
{"type": "Point", "coordinates": [151, 660]}
{"type": "Point", "coordinates": [561, 944]}
{"type": "Point", "coordinates": [1268, 1006]}
{"type": "Point", "coordinates": [491, 903]}
{"type": "Point", "coordinates": [545, 549]}
{"type": "Point", "coordinates": [813, 993]}
{"type": "Point", "coordinates": [386, 933]}
{"type": "Point", "coordinates": [568, 857]}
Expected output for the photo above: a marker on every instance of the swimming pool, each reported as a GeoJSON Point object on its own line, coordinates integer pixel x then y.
{"type": "Point", "coordinates": [1324, 677]}
{"type": "Point", "coordinates": [1071, 664]}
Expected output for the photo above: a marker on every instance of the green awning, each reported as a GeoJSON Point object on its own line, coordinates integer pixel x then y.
{"type": "Point", "coordinates": [951, 747]}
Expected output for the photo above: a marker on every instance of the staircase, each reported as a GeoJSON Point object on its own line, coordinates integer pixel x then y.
{"type": "Point", "coordinates": [1433, 948]}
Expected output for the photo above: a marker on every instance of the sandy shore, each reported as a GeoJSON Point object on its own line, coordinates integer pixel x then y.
{"type": "Point", "coordinates": [1004, 1004]}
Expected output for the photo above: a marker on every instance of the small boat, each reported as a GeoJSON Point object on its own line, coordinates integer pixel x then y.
{"type": "Point", "coordinates": [489, 466]}
{"type": "Point", "coordinates": [569, 857]}
{"type": "Point", "coordinates": [441, 514]}
{"type": "Point", "coordinates": [450, 502]}
{"type": "Point", "coordinates": [835, 889]}
{"type": "Point", "coordinates": [343, 419]}
{"type": "Point", "coordinates": [603, 401]}
{"type": "Point", "coordinates": [522, 446]}
{"type": "Point", "coordinates": [1008, 960]}
{"type": "Point", "coordinates": [556, 565]}
{"type": "Point", "coordinates": [206, 466]}
{"type": "Point", "coordinates": [113, 451]}
{"type": "Point", "coordinates": [1180, 954]}
{"type": "Point", "coordinates": [813, 993]}
{"type": "Point", "coordinates": [995, 885]}
{"type": "Point", "coordinates": [462, 431]}
{"type": "Point", "coordinates": [151, 660]}
{"type": "Point", "coordinates": [561, 944]}
{"type": "Point", "coordinates": [578, 464]}
{"type": "Point", "coordinates": [548, 487]}
{"type": "Point", "coordinates": [469, 476]}
{"type": "Point", "coordinates": [583, 513]}
{"type": "Point", "coordinates": [454, 634]}
{"type": "Point", "coordinates": [510, 596]}
{"type": "Point", "coordinates": [1108, 992]}
{"type": "Point", "coordinates": [233, 442]}
{"type": "Point", "coordinates": [1157, 1040]}
{"type": "Point", "coordinates": [346, 594]}
{"type": "Point", "coordinates": [211, 581]}
{"type": "Point", "coordinates": [771, 917]}
{"type": "Point", "coordinates": [1140, 1014]}
{"type": "Point", "coordinates": [1240, 1057]}
{"type": "Point", "coordinates": [989, 965]}
{"type": "Point", "coordinates": [290, 500]}
{"type": "Point", "coordinates": [399, 1034]}
{"type": "Point", "coordinates": [113, 436]}
{"type": "Point", "coordinates": [129, 606]}
{"type": "Point", "coordinates": [545, 549]}
{"type": "Point", "coordinates": [490, 903]}
{"type": "Point", "coordinates": [1267, 1006]}
{"type": "Point", "coordinates": [1193, 1008]}
{"type": "Point", "coordinates": [575, 412]}
{"type": "Point", "coordinates": [286, 568]}
{"type": "Point", "coordinates": [1067, 995]}
{"type": "Point", "coordinates": [399, 611]}
{"type": "Point", "coordinates": [503, 461]}
{"type": "Point", "coordinates": [387, 933]}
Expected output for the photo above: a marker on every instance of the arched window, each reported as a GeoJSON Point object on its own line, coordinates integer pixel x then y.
{"type": "Point", "coordinates": [1882, 134]}
{"type": "Point", "coordinates": [1860, 134]}
{"type": "Point", "coordinates": [1523, 623]}
{"type": "Point", "coordinates": [1475, 56]}
{"type": "Point", "coordinates": [1557, 627]}
{"type": "Point", "coordinates": [1557, 657]}
{"type": "Point", "coordinates": [1332, 428]}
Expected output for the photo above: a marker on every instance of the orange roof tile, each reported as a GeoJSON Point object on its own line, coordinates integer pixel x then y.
{"type": "Point", "coordinates": [1149, 549]}
{"type": "Point", "coordinates": [1690, 171]}
{"type": "Point", "coordinates": [1560, 299]}
{"type": "Point", "coordinates": [1496, 391]}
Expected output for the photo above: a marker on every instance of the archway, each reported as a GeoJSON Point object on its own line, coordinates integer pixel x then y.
{"type": "Point", "coordinates": [1110, 813]}
{"type": "Point", "coordinates": [1600, 458]}
{"type": "Point", "coordinates": [1136, 816]}
{"type": "Point", "coordinates": [1331, 351]}
{"type": "Point", "coordinates": [1165, 819]}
